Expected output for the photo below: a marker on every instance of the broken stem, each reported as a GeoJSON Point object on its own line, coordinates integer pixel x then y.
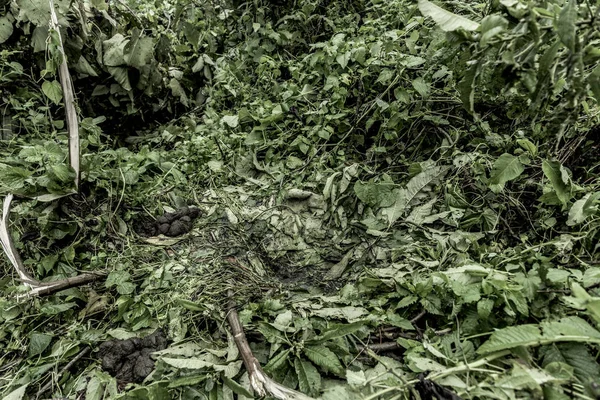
{"type": "Point", "coordinates": [259, 380]}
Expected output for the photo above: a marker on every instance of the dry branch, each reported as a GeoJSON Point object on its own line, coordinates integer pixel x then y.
{"type": "Point", "coordinates": [69, 99]}
{"type": "Point", "coordinates": [259, 380]}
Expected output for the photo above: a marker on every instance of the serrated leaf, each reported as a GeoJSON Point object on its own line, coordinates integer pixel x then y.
{"type": "Point", "coordinates": [53, 91]}
{"type": "Point", "coordinates": [309, 379]}
{"type": "Point", "coordinates": [237, 388]}
{"type": "Point", "coordinates": [566, 24]}
{"type": "Point", "coordinates": [511, 337]}
{"type": "Point", "coordinates": [324, 358]}
{"type": "Point", "coordinates": [569, 326]}
{"type": "Point", "coordinates": [583, 208]}
{"type": "Point", "coordinates": [446, 20]}
{"type": "Point", "coordinates": [559, 178]}
{"type": "Point", "coordinates": [506, 168]}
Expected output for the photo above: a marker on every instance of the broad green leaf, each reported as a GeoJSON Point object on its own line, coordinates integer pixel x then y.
{"type": "Point", "coordinates": [114, 50]}
{"type": "Point", "coordinates": [337, 331]}
{"type": "Point", "coordinates": [404, 197]}
{"type": "Point", "coordinates": [84, 67]}
{"type": "Point", "coordinates": [566, 24]}
{"type": "Point", "coordinates": [230, 120]}
{"type": "Point", "coordinates": [94, 389]}
{"type": "Point", "coordinates": [421, 86]}
{"type": "Point", "coordinates": [38, 12]}
{"type": "Point", "coordinates": [237, 388]}
{"type": "Point", "coordinates": [374, 194]}
{"type": "Point", "coordinates": [17, 394]}
{"type": "Point", "coordinates": [343, 59]}
{"type": "Point", "coordinates": [278, 361]}
{"type": "Point", "coordinates": [506, 168]}
{"type": "Point", "coordinates": [63, 173]}
{"type": "Point", "coordinates": [121, 75]}
{"type": "Point", "coordinates": [559, 178]}
{"type": "Point", "coordinates": [569, 326]}
{"type": "Point", "coordinates": [491, 26]}
{"type": "Point", "coordinates": [309, 379]}
{"type": "Point", "coordinates": [528, 145]}
{"type": "Point", "coordinates": [583, 208]}
{"type": "Point", "coordinates": [38, 342]}
{"type": "Point", "coordinates": [138, 51]}
{"type": "Point", "coordinates": [446, 20]}
{"type": "Point", "coordinates": [511, 337]}
{"type": "Point", "coordinates": [53, 91]}
{"type": "Point", "coordinates": [324, 358]}
{"type": "Point", "coordinates": [6, 29]}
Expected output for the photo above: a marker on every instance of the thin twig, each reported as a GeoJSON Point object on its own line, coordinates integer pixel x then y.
{"type": "Point", "coordinates": [63, 370]}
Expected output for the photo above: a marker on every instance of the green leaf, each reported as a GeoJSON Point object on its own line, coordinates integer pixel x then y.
{"type": "Point", "coordinates": [336, 331]}
{"type": "Point", "coordinates": [309, 379]}
{"type": "Point", "coordinates": [114, 50]}
{"type": "Point", "coordinates": [421, 86]}
{"type": "Point", "coordinates": [511, 337]}
{"type": "Point", "coordinates": [569, 326]}
{"type": "Point", "coordinates": [343, 59]}
{"type": "Point", "coordinates": [53, 91]}
{"type": "Point", "coordinates": [237, 388]}
{"type": "Point", "coordinates": [528, 145]}
{"type": "Point", "coordinates": [491, 26]}
{"type": "Point", "coordinates": [404, 197]}
{"type": "Point", "coordinates": [138, 51]}
{"type": "Point", "coordinates": [17, 394]}
{"type": "Point", "coordinates": [566, 24]}
{"type": "Point", "coordinates": [583, 208]}
{"type": "Point", "coordinates": [38, 342]}
{"type": "Point", "coordinates": [446, 20]}
{"type": "Point", "coordinates": [374, 194]}
{"type": "Point", "coordinates": [6, 29]}
{"type": "Point", "coordinates": [230, 120]}
{"type": "Point", "coordinates": [324, 358]}
{"type": "Point", "coordinates": [53, 309]}
{"type": "Point", "coordinates": [506, 168]}
{"type": "Point", "coordinates": [559, 178]}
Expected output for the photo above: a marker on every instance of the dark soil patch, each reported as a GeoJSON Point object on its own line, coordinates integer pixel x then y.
{"type": "Point", "coordinates": [129, 360]}
{"type": "Point", "coordinates": [169, 224]}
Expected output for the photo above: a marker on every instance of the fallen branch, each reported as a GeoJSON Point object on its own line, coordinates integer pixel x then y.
{"type": "Point", "coordinates": [37, 288]}
{"type": "Point", "coordinates": [259, 380]}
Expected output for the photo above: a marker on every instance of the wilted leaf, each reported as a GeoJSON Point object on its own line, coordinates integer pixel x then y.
{"type": "Point", "coordinates": [583, 208]}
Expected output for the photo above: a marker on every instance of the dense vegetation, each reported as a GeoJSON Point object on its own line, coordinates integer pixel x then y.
{"type": "Point", "coordinates": [399, 197]}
